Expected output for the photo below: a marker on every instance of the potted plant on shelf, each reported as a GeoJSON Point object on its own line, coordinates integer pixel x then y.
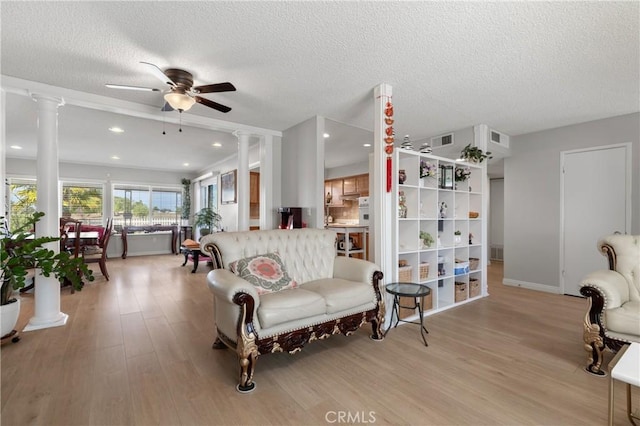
{"type": "Point", "coordinates": [457, 237]}
{"type": "Point", "coordinates": [427, 239]}
{"type": "Point", "coordinates": [206, 220]}
{"type": "Point", "coordinates": [473, 154]}
{"type": "Point", "coordinates": [21, 252]}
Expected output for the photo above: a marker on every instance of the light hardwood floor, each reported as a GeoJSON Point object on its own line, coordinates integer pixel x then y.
{"type": "Point", "coordinates": [137, 351]}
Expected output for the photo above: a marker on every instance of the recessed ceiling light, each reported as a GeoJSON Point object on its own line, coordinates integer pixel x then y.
{"type": "Point", "coordinates": [116, 130]}
{"type": "Point", "coordinates": [185, 164]}
{"type": "Point", "coordinates": [366, 144]}
{"type": "Point", "coordinates": [216, 144]}
{"type": "Point", "coordinates": [15, 147]}
{"type": "Point", "coordinates": [115, 157]}
{"type": "Point", "coordinates": [326, 135]}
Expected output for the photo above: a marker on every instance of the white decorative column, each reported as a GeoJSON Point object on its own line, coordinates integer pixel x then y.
{"type": "Point", "coordinates": [3, 150]}
{"type": "Point", "coordinates": [47, 290]}
{"type": "Point", "coordinates": [243, 179]}
{"type": "Point", "coordinates": [266, 183]}
{"type": "Point", "coordinates": [381, 203]}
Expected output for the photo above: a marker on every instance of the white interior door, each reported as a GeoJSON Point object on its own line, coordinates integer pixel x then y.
{"type": "Point", "coordinates": [595, 202]}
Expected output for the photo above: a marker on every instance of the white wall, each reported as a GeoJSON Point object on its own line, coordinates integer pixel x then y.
{"type": "Point", "coordinates": [532, 194]}
{"type": "Point", "coordinates": [349, 170]}
{"type": "Point", "coordinates": [303, 169]}
{"type": "Point", "coordinates": [496, 212]}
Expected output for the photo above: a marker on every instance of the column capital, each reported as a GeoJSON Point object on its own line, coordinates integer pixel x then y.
{"type": "Point", "coordinates": [40, 98]}
{"type": "Point", "coordinates": [242, 134]}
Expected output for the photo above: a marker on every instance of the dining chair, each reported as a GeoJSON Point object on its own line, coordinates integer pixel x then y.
{"type": "Point", "coordinates": [98, 253]}
{"type": "Point", "coordinates": [70, 235]}
{"type": "Point", "coordinates": [70, 240]}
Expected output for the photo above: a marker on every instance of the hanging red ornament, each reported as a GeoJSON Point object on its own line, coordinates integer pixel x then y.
{"type": "Point", "coordinates": [389, 174]}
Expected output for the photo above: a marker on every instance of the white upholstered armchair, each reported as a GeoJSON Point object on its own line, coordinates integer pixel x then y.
{"type": "Point", "coordinates": [613, 318]}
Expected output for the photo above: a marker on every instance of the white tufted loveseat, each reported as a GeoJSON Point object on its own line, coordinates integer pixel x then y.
{"type": "Point", "coordinates": [335, 294]}
{"type": "Point", "coordinates": [613, 318]}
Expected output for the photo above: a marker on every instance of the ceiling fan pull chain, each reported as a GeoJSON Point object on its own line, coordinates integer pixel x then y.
{"type": "Point", "coordinates": [164, 116]}
{"type": "Point", "coordinates": [180, 130]}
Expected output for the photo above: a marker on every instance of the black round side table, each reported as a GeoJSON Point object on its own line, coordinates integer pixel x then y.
{"type": "Point", "coordinates": [415, 291]}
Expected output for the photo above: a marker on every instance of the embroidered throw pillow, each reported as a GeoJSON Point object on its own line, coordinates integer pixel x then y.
{"type": "Point", "coordinates": [265, 271]}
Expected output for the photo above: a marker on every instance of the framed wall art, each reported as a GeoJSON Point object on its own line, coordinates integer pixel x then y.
{"type": "Point", "coordinates": [228, 187]}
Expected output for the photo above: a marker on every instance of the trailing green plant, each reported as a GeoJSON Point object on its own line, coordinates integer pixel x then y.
{"type": "Point", "coordinates": [186, 199]}
{"type": "Point", "coordinates": [426, 238]}
{"type": "Point", "coordinates": [22, 251]}
{"type": "Point", "coordinates": [474, 154]}
{"type": "Point", "coordinates": [206, 220]}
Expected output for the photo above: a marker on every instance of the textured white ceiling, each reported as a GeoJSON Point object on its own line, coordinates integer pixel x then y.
{"type": "Point", "coordinates": [517, 66]}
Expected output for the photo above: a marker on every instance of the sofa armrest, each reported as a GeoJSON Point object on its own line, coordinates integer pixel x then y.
{"type": "Point", "coordinates": [224, 284]}
{"type": "Point", "coordinates": [352, 269]}
{"type": "Point", "coordinates": [612, 285]}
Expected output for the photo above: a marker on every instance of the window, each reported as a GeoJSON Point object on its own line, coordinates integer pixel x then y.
{"type": "Point", "coordinates": [209, 196]}
{"type": "Point", "coordinates": [146, 205]}
{"type": "Point", "coordinates": [22, 201]}
{"type": "Point", "coordinates": [166, 206]}
{"type": "Point", "coordinates": [83, 202]}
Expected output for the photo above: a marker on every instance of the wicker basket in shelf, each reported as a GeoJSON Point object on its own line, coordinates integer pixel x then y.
{"type": "Point", "coordinates": [474, 287]}
{"type": "Point", "coordinates": [404, 274]}
{"type": "Point", "coordinates": [424, 271]}
{"type": "Point", "coordinates": [461, 291]}
{"type": "Point", "coordinates": [474, 262]}
{"type": "Point", "coordinates": [473, 215]}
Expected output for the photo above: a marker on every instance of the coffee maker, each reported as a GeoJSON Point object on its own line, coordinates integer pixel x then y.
{"type": "Point", "coordinates": [290, 217]}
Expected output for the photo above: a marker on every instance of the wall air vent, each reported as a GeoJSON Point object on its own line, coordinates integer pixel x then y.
{"type": "Point", "coordinates": [442, 140]}
{"type": "Point", "coordinates": [499, 138]}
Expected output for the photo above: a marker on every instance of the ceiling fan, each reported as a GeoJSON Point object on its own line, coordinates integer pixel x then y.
{"type": "Point", "coordinates": [181, 95]}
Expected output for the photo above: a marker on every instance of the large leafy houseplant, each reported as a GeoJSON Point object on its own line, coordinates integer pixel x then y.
{"type": "Point", "coordinates": [474, 154]}
{"type": "Point", "coordinates": [206, 220]}
{"type": "Point", "coordinates": [22, 251]}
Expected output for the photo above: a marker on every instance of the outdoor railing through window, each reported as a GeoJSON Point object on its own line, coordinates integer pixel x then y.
{"type": "Point", "coordinates": [146, 205]}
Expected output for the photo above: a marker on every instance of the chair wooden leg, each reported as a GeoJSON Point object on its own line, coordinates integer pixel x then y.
{"type": "Point", "coordinates": [103, 269]}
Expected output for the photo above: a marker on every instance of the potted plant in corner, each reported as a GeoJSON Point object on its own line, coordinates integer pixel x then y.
{"type": "Point", "coordinates": [22, 251]}
{"type": "Point", "coordinates": [206, 220]}
{"type": "Point", "coordinates": [473, 154]}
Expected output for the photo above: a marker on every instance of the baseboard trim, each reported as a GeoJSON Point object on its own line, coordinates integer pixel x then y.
{"type": "Point", "coordinates": [532, 286]}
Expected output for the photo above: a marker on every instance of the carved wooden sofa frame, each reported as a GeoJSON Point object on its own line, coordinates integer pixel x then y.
{"type": "Point", "coordinates": [249, 345]}
{"type": "Point", "coordinates": [596, 335]}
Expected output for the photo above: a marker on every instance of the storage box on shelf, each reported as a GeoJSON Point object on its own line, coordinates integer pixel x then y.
{"type": "Point", "coordinates": [439, 227]}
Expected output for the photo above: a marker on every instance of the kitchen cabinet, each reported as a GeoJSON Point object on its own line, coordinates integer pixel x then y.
{"type": "Point", "coordinates": [349, 186]}
{"type": "Point", "coordinates": [334, 187]}
{"type": "Point", "coordinates": [362, 185]}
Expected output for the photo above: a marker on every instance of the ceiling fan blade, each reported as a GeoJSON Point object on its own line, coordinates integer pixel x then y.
{"type": "Point", "coordinates": [166, 107]}
{"type": "Point", "coordinates": [158, 73]}
{"type": "Point", "coordinates": [125, 87]}
{"type": "Point", "coordinates": [218, 87]}
{"type": "Point", "coordinates": [211, 104]}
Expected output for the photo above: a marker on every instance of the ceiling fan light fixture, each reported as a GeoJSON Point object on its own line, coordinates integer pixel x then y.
{"type": "Point", "coordinates": [179, 101]}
